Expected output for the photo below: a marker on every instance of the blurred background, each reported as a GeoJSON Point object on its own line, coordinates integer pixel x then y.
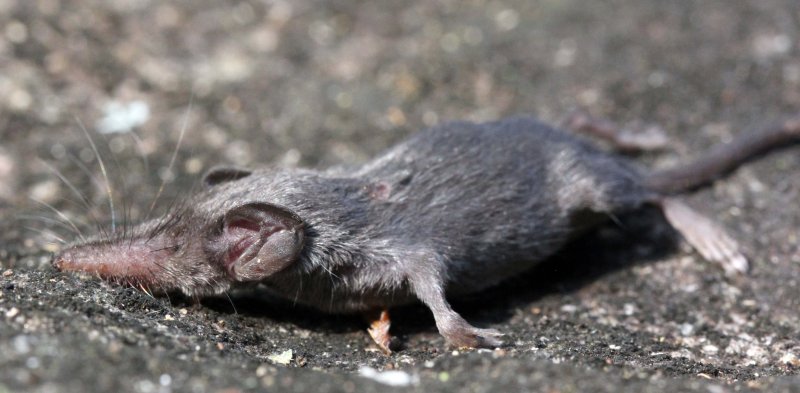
{"type": "Point", "coordinates": [321, 83]}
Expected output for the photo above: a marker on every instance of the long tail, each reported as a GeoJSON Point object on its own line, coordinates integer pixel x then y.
{"type": "Point", "coordinates": [725, 158]}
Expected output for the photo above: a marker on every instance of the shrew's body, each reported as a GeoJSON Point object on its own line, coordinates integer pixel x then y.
{"type": "Point", "coordinates": [452, 210]}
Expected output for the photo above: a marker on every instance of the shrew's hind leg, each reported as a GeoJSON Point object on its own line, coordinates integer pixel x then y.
{"type": "Point", "coordinates": [427, 283]}
{"type": "Point", "coordinates": [705, 235]}
{"type": "Point", "coordinates": [622, 139]}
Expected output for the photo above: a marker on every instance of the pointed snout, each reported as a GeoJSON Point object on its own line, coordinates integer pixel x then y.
{"type": "Point", "coordinates": [130, 263]}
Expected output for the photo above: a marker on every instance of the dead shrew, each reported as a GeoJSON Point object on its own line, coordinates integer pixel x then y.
{"type": "Point", "coordinates": [452, 210]}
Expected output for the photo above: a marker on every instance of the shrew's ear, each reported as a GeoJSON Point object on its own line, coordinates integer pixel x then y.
{"type": "Point", "coordinates": [257, 240]}
{"type": "Point", "coordinates": [222, 174]}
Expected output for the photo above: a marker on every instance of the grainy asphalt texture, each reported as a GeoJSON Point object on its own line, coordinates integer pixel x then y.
{"type": "Point", "coordinates": [304, 83]}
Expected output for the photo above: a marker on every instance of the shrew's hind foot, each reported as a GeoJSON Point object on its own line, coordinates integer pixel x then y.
{"type": "Point", "coordinates": [640, 139]}
{"type": "Point", "coordinates": [708, 238]}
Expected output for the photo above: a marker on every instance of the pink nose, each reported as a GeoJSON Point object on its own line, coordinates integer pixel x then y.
{"type": "Point", "coordinates": [56, 263]}
{"type": "Point", "coordinates": [59, 262]}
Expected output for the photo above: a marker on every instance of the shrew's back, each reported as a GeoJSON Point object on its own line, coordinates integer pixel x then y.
{"type": "Point", "coordinates": [505, 192]}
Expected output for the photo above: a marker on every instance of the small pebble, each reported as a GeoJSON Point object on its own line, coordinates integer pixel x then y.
{"type": "Point", "coordinates": [569, 308]}
{"type": "Point", "coordinates": [13, 312]}
{"type": "Point", "coordinates": [390, 378]}
{"type": "Point", "coordinates": [710, 349]}
{"type": "Point", "coordinates": [790, 359]}
{"type": "Point", "coordinates": [283, 358]}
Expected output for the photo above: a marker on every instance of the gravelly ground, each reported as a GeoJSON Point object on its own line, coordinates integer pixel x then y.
{"type": "Point", "coordinates": [312, 84]}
